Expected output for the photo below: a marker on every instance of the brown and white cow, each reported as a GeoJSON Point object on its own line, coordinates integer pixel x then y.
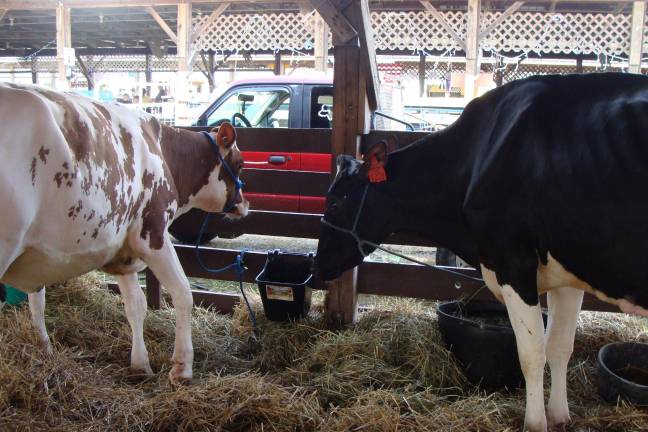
{"type": "Point", "coordinates": [87, 186]}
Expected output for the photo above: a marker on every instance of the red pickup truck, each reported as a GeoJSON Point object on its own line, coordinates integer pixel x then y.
{"type": "Point", "coordinates": [277, 102]}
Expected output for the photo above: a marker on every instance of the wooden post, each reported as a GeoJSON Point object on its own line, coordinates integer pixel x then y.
{"type": "Point", "coordinates": [277, 64]}
{"type": "Point", "coordinates": [153, 294]}
{"type": "Point", "coordinates": [34, 69]}
{"type": "Point", "coordinates": [63, 43]}
{"type": "Point", "coordinates": [579, 64]}
{"type": "Point", "coordinates": [321, 44]}
{"type": "Point", "coordinates": [87, 72]}
{"type": "Point", "coordinates": [637, 36]}
{"type": "Point", "coordinates": [148, 69]}
{"type": "Point", "coordinates": [183, 35]}
{"type": "Point", "coordinates": [421, 74]}
{"type": "Point", "coordinates": [355, 95]}
{"type": "Point", "coordinates": [472, 48]}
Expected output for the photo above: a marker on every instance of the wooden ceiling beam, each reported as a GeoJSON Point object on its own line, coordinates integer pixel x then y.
{"type": "Point", "coordinates": [156, 16]}
{"type": "Point", "coordinates": [342, 31]}
{"type": "Point", "coordinates": [84, 4]}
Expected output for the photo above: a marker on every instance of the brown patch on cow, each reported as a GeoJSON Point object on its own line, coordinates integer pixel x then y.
{"type": "Point", "coordinates": [32, 170]}
{"type": "Point", "coordinates": [127, 143]}
{"type": "Point", "coordinates": [95, 233]}
{"type": "Point", "coordinates": [157, 212]}
{"type": "Point", "coordinates": [58, 178]}
{"type": "Point", "coordinates": [147, 179]}
{"type": "Point", "coordinates": [190, 158]}
{"type": "Point", "coordinates": [42, 154]}
{"type": "Point", "coordinates": [74, 211]}
{"type": "Point", "coordinates": [102, 109]}
{"type": "Point", "coordinates": [91, 215]}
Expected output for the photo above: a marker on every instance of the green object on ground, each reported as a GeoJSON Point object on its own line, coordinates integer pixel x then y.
{"type": "Point", "coordinates": [11, 295]}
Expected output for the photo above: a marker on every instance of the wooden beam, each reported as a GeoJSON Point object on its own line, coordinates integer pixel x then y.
{"type": "Point", "coordinates": [63, 43]}
{"type": "Point", "coordinates": [87, 73]}
{"type": "Point", "coordinates": [343, 32]}
{"type": "Point", "coordinates": [507, 13]}
{"type": "Point", "coordinates": [218, 11]}
{"type": "Point", "coordinates": [439, 17]}
{"type": "Point", "coordinates": [637, 36]}
{"type": "Point", "coordinates": [472, 48]}
{"type": "Point", "coordinates": [156, 16]}
{"type": "Point", "coordinates": [421, 74]}
{"type": "Point", "coordinates": [79, 4]}
{"type": "Point", "coordinates": [184, 38]}
{"type": "Point", "coordinates": [84, 4]}
{"type": "Point", "coordinates": [34, 69]}
{"type": "Point", "coordinates": [2, 13]}
{"type": "Point", "coordinates": [277, 64]}
{"type": "Point", "coordinates": [320, 47]}
{"type": "Point", "coordinates": [360, 18]}
{"type": "Point", "coordinates": [304, 7]}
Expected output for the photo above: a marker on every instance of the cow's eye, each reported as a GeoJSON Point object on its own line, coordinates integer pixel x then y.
{"type": "Point", "coordinates": [333, 207]}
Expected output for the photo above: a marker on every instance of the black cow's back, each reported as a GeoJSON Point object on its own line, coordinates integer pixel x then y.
{"type": "Point", "coordinates": [559, 165]}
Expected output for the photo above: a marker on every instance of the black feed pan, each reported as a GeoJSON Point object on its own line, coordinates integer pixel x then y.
{"type": "Point", "coordinates": [623, 372]}
{"type": "Point", "coordinates": [480, 336]}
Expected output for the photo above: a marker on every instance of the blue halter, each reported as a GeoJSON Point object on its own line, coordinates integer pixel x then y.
{"type": "Point", "coordinates": [238, 183]}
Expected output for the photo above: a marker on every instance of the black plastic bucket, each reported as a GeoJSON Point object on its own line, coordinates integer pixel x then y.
{"type": "Point", "coordinates": [283, 285]}
{"type": "Point", "coordinates": [623, 372]}
{"type": "Point", "coordinates": [487, 352]}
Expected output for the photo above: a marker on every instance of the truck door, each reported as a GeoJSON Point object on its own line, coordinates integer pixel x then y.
{"type": "Point", "coordinates": [262, 106]}
{"type": "Point", "coordinates": [318, 114]}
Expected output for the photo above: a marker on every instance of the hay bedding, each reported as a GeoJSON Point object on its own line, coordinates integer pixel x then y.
{"type": "Point", "coordinates": [389, 373]}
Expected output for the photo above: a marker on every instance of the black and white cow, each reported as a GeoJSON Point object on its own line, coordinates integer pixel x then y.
{"type": "Point", "coordinates": [541, 183]}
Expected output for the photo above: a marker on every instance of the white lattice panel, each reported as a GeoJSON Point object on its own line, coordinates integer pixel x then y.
{"type": "Point", "coordinates": [273, 31]}
{"type": "Point", "coordinates": [416, 30]}
{"type": "Point", "coordinates": [566, 33]}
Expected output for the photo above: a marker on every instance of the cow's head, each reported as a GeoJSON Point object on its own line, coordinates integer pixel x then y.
{"type": "Point", "coordinates": [358, 201]}
{"type": "Point", "coordinates": [223, 192]}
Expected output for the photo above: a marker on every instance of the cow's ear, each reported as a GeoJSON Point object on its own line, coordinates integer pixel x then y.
{"type": "Point", "coordinates": [226, 135]}
{"type": "Point", "coordinates": [375, 161]}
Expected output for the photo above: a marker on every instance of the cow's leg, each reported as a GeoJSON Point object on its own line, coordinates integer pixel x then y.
{"type": "Point", "coordinates": [165, 265]}
{"type": "Point", "coordinates": [564, 305]}
{"type": "Point", "coordinates": [37, 309]}
{"type": "Point", "coordinates": [135, 306]}
{"type": "Point", "coordinates": [528, 327]}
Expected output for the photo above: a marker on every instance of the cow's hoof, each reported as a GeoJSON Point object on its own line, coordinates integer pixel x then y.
{"type": "Point", "coordinates": [138, 374]}
{"type": "Point", "coordinates": [558, 427]}
{"type": "Point", "coordinates": [180, 375]}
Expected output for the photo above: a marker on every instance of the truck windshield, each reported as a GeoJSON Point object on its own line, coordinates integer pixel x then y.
{"type": "Point", "coordinates": [262, 108]}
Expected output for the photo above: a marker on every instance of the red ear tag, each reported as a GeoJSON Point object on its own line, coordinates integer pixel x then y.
{"type": "Point", "coordinates": [377, 172]}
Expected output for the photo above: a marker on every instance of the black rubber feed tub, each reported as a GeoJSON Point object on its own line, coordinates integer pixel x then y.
{"type": "Point", "coordinates": [623, 372]}
{"type": "Point", "coordinates": [481, 337]}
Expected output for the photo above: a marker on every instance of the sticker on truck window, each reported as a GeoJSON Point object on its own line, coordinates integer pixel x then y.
{"type": "Point", "coordinates": [279, 293]}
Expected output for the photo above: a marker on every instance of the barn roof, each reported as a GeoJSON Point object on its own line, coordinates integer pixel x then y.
{"type": "Point", "coordinates": [105, 26]}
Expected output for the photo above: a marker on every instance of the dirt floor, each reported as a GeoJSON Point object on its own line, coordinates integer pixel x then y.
{"type": "Point", "coordinates": [390, 372]}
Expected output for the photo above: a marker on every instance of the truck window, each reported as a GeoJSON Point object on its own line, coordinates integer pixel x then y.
{"type": "Point", "coordinates": [263, 108]}
{"type": "Point", "coordinates": [321, 115]}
